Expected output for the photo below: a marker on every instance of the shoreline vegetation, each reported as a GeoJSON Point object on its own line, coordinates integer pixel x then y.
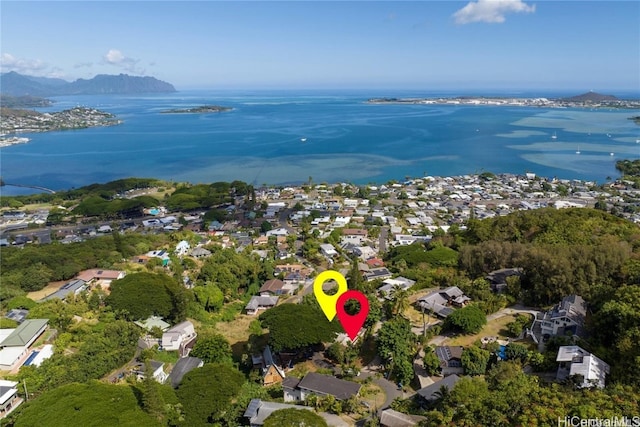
{"type": "Point", "coordinates": [204, 109]}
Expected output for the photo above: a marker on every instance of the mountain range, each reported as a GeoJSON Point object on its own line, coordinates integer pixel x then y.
{"type": "Point", "coordinates": [17, 84]}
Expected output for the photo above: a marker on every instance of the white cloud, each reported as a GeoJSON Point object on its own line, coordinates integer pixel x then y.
{"type": "Point", "coordinates": [118, 59]}
{"type": "Point", "coordinates": [491, 11]}
{"type": "Point", "coordinates": [9, 62]}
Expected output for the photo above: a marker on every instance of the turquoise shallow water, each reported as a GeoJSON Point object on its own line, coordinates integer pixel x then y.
{"type": "Point", "coordinates": [260, 141]}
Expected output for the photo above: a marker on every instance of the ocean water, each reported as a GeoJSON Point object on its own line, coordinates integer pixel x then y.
{"type": "Point", "coordinates": [261, 140]}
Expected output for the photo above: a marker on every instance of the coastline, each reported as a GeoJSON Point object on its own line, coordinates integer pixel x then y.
{"type": "Point", "coordinates": [6, 141]}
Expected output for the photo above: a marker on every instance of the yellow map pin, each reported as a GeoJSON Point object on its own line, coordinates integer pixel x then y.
{"type": "Point", "coordinates": [328, 302]}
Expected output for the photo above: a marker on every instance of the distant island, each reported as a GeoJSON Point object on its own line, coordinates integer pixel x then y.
{"type": "Point", "coordinates": [198, 110]}
{"type": "Point", "coordinates": [16, 84]}
{"type": "Point", "coordinates": [586, 100]}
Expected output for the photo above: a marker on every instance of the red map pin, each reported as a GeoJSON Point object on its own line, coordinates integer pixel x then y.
{"type": "Point", "coordinates": [352, 324]}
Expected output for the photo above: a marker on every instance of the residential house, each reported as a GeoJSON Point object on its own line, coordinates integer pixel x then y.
{"type": "Point", "coordinates": [153, 322]}
{"type": "Point", "coordinates": [157, 371]}
{"type": "Point", "coordinates": [588, 369]}
{"type": "Point", "coordinates": [273, 287]}
{"type": "Point", "coordinates": [291, 268]}
{"type": "Point", "coordinates": [258, 410]}
{"type": "Point", "coordinates": [374, 262]}
{"type": "Point", "coordinates": [323, 385]}
{"type": "Point", "coordinates": [260, 302]}
{"type": "Point", "coordinates": [103, 278]}
{"type": "Point", "coordinates": [271, 372]}
{"type": "Point", "coordinates": [9, 399]}
{"type": "Point", "coordinates": [567, 317]}
{"type": "Point", "coordinates": [392, 418]}
{"type": "Point", "coordinates": [178, 337]}
{"type": "Point", "coordinates": [498, 278]}
{"type": "Point", "coordinates": [183, 366]}
{"type": "Point", "coordinates": [161, 254]}
{"type": "Point", "coordinates": [355, 236]}
{"type": "Point", "coordinates": [17, 314]}
{"type": "Point", "coordinates": [328, 250]}
{"type": "Point", "coordinates": [389, 284]}
{"type": "Point", "coordinates": [200, 252]}
{"type": "Point", "coordinates": [430, 393]}
{"type": "Point", "coordinates": [73, 287]}
{"type": "Point", "coordinates": [15, 343]}
{"type": "Point", "coordinates": [293, 280]}
{"type": "Point", "coordinates": [450, 359]}
{"type": "Point", "coordinates": [377, 273]}
{"type": "Point", "coordinates": [440, 302]}
{"type": "Point", "coordinates": [182, 248]}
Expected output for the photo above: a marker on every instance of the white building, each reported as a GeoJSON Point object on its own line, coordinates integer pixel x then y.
{"type": "Point", "coordinates": [576, 361]}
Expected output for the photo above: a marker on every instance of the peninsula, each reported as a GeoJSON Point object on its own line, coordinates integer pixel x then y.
{"type": "Point", "coordinates": [16, 121]}
{"type": "Point", "coordinates": [198, 110]}
{"type": "Point", "coordinates": [587, 100]}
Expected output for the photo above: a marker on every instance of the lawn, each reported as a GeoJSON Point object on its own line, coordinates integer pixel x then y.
{"type": "Point", "coordinates": [497, 327]}
{"type": "Point", "coordinates": [47, 290]}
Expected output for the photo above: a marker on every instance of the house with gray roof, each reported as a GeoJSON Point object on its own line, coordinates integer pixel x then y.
{"type": "Point", "coordinates": [73, 287]}
{"type": "Point", "coordinates": [441, 302]}
{"type": "Point", "coordinates": [392, 418]}
{"type": "Point", "coordinates": [182, 367]}
{"type": "Point", "coordinates": [430, 393]}
{"type": "Point", "coordinates": [322, 385]}
{"type": "Point", "coordinates": [450, 359]}
{"type": "Point", "coordinates": [9, 399]}
{"type": "Point", "coordinates": [260, 302]}
{"type": "Point", "coordinates": [258, 411]}
{"type": "Point", "coordinates": [565, 318]}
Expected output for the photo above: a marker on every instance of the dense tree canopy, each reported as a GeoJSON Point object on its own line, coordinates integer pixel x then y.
{"type": "Point", "coordinates": [468, 320]}
{"type": "Point", "coordinates": [295, 327]}
{"type": "Point", "coordinates": [91, 404]}
{"type": "Point", "coordinates": [140, 295]}
{"type": "Point", "coordinates": [206, 393]}
{"type": "Point", "coordinates": [212, 348]}
{"type": "Point", "coordinates": [233, 273]}
{"type": "Point", "coordinates": [293, 417]}
{"type": "Point", "coordinates": [396, 346]}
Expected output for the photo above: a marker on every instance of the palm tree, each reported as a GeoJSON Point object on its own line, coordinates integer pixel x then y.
{"type": "Point", "coordinates": [399, 299]}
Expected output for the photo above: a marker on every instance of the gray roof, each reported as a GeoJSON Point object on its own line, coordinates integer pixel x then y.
{"type": "Point", "coordinates": [68, 288]}
{"type": "Point", "coordinates": [429, 392]}
{"type": "Point", "coordinates": [326, 384]}
{"type": "Point", "coordinates": [290, 382]}
{"type": "Point", "coordinates": [17, 314]}
{"type": "Point", "coordinates": [261, 301]}
{"type": "Point", "coordinates": [573, 307]}
{"type": "Point", "coordinates": [391, 418]}
{"type": "Point", "coordinates": [258, 410]}
{"type": "Point", "coordinates": [181, 368]}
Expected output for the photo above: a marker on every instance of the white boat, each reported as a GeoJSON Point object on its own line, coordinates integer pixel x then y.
{"type": "Point", "coordinates": [554, 136]}
{"type": "Point", "coordinates": [578, 152]}
{"type": "Point", "coordinates": [611, 154]}
{"type": "Point", "coordinates": [303, 139]}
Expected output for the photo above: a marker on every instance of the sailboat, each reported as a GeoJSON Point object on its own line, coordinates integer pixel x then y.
{"type": "Point", "coordinates": [554, 136]}
{"type": "Point", "coordinates": [578, 152]}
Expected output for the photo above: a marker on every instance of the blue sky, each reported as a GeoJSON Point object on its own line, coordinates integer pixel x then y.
{"type": "Point", "coordinates": [493, 44]}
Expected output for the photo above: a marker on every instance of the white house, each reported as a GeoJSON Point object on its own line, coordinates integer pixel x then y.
{"type": "Point", "coordinates": [15, 343]}
{"type": "Point", "coordinates": [182, 248]}
{"type": "Point", "coordinates": [566, 317]}
{"type": "Point", "coordinates": [576, 361]}
{"type": "Point", "coordinates": [9, 399]}
{"type": "Point", "coordinates": [178, 336]}
{"type": "Point", "coordinates": [328, 250]}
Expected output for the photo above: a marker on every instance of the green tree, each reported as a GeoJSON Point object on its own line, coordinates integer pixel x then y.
{"type": "Point", "coordinates": [431, 361]}
{"type": "Point", "coordinates": [515, 351]}
{"type": "Point", "coordinates": [140, 295]}
{"type": "Point", "coordinates": [294, 327]}
{"type": "Point", "coordinates": [474, 360]}
{"type": "Point", "coordinates": [206, 393]}
{"type": "Point", "coordinates": [292, 417]}
{"type": "Point", "coordinates": [209, 296]}
{"type": "Point", "coordinates": [468, 320]}
{"type": "Point", "coordinates": [35, 277]}
{"type": "Point", "coordinates": [213, 348]}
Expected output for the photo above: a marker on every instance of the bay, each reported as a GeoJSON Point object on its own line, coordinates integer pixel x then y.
{"type": "Point", "coordinates": [280, 137]}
